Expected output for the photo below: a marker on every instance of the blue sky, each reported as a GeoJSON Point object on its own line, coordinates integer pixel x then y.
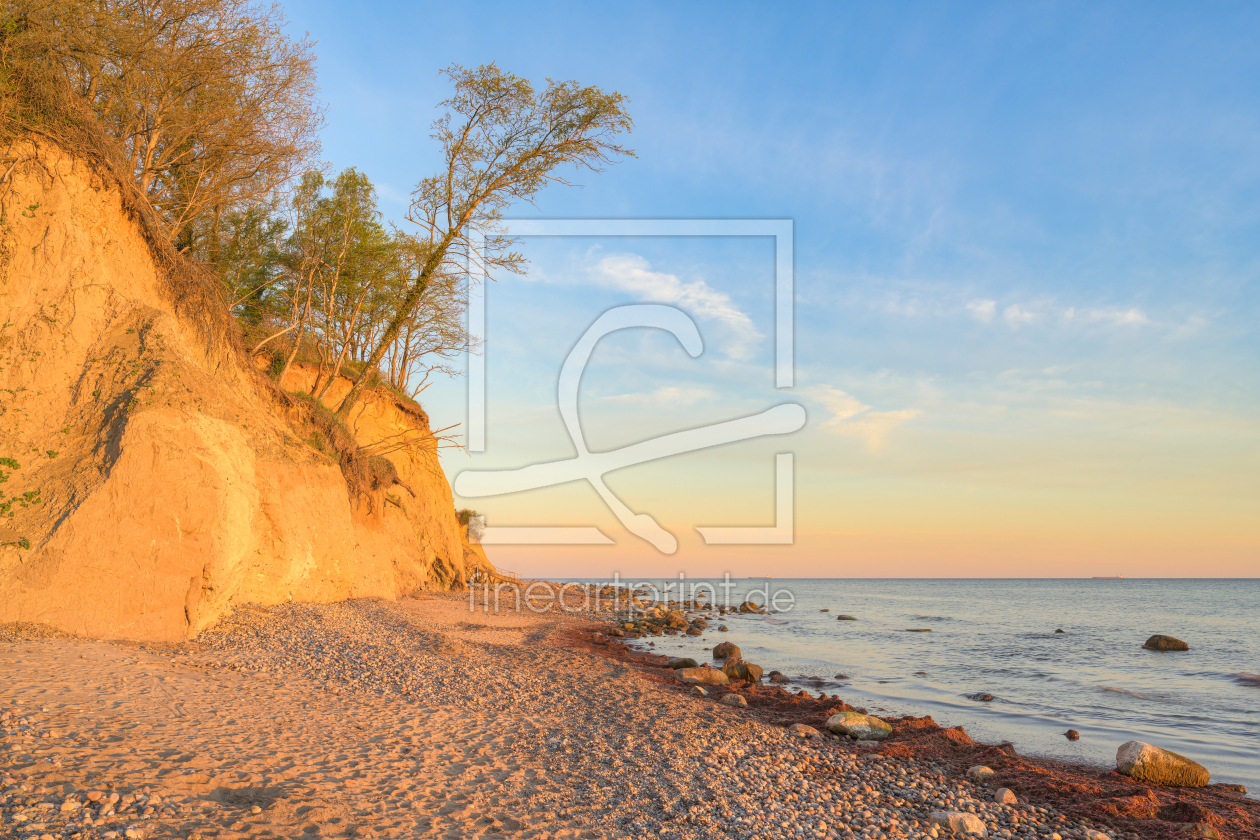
{"type": "Point", "coordinates": [1026, 258]}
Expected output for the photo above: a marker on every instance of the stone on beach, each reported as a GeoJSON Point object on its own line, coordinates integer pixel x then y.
{"type": "Point", "coordinates": [740, 670]}
{"type": "Point", "coordinates": [1162, 642]}
{"type": "Point", "coordinates": [959, 822]}
{"type": "Point", "coordinates": [804, 730]}
{"type": "Point", "coordinates": [862, 727]}
{"type": "Point", "coordinates": [980, 773]}
{"type": "Point", "coordinates": [1147, 763]}
{"type": "Point", "coordinates": [682, 662]}
{"type": "Point", "coordinates": [1005, 796]}
{"type": "Point", "coordinates": [701, 676]}
{"type": "Point", "coordinates": [726, 650]}
{"type": "Point", "coordinates": [736, 700]}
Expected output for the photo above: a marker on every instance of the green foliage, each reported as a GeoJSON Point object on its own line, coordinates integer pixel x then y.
{"type": "Point", "coordinates": [464, 515]}
{"type": "Point", "coordinates": [502, 142]}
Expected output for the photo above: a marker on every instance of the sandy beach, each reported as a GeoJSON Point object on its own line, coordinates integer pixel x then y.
{"type": "Point", "coordinates": [419, 718]}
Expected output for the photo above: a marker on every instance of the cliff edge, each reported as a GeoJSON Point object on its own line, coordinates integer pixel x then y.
{"type": "Point", "coordinates": [151, 477]}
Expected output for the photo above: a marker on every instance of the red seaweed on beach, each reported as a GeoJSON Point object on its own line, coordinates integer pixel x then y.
{"type": "Point", "coordinates": [1082, 792]}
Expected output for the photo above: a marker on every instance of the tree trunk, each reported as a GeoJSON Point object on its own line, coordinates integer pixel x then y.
{"type": "Point", "coordinates": [400, 317]}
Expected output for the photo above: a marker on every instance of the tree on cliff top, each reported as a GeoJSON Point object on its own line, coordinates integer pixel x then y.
{"type": "Point", "coordinates": [214, 105]}
{"type": "Point", "coordinates": [501, 142]}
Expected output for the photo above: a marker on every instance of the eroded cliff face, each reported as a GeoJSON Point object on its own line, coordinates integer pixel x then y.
{"type": "Point", "coordinates": [157, 482]}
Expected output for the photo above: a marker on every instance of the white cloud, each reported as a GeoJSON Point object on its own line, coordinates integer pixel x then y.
{"type": "Point", "coordinates": [982, 310]}
{"type": "Point", "coordinates": [850, 416]}
{"type": "Point", "coordinates": [1014, 315]}
{"type": "Point", "coordinates": [666, 395]}
{"type": "Point", "coordinates": [1128, 317]}
{"type": "Point", "coordinates": [632, 273]}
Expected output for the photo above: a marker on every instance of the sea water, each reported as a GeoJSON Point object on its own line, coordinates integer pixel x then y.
{"type": "Point", "coordinates": [998, 637]}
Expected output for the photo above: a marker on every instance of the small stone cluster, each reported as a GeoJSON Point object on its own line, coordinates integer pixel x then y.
{"type": "Point", "coordinates": [43, 813]}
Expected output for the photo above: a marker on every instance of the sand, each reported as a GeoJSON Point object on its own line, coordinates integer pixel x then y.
{"type": "Point", "coordinates": [419, 718]}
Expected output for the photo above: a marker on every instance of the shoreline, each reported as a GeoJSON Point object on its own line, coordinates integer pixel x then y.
{"type": "Point", "coordinates": [419, 718]}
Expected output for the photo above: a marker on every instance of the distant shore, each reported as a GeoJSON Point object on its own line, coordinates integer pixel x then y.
{"type": "Point", "coordinates": [421, 718]}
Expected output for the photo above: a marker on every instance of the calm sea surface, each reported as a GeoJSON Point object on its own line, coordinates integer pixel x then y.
{"type": "Point", "coordinates": [997, 637]}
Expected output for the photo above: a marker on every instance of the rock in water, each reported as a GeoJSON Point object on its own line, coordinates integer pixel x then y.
{"type": "Point", "coordinates": [1156, 766]}
{"type": "Point", "coordinates": [726, 650]}
{"type": "Point", "coordinates": [959, 822]}
{"type": "Point", "coordinates": [1073, 735]}
{"type": "Point", "coordinates": [1162, 642]}
{"type": "Point", "coordinates": [862, 727]}
{"type": "Point", "coordinates": [682, 662]}
{"type": "Point", "coordinates": [701, 676]}
{"type": "Point", "coordinates": [1060, 630]}
{"type": "Point", "coordinates": [845, 618]}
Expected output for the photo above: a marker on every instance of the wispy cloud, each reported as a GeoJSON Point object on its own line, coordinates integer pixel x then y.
{"type": "Point", "coordinates": [1016, 315]}
{"type": "Point", "coordinates": [1127, 317]}
{"type": "Point", "coordinates": [850, 416]}
{"type": "Point", "coordinates": [665, 396]}
{"type": "Point", "coordinates": [982, 310]}
{"type": "Point", "coordinates": [632, 273]}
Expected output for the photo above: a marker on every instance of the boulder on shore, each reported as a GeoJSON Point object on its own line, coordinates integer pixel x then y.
{"type": "Point", "coordinates": [959, 822]}
{"type": "Point", "coordinates": [980, 773]}
{"type": "Point", "coordinates": [1155, 766]}
{"type": "Point", "coordinates": [804, 730]}
{"type": "Point", "coordinates": [682, 662]}
{"type": "Point", "coordinates": [1162, 642]}
{"type": "Point", "coordinates": [701, 676]}
{"type": "Point", "coordinates": [726, 650]}
{"type": "Point", "coordinates": [737, 669]}
{"type": "Point", "coordinates": [735, 700]}
{"type": "Point", "coordinates": [855, 725]}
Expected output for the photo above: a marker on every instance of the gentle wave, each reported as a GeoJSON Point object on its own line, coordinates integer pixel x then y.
{"type": "Point", "coordinates": [1123, 691]}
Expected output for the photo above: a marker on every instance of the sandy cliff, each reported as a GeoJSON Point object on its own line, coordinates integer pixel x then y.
{"type": "Point", "coordinates": [158, 479]}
